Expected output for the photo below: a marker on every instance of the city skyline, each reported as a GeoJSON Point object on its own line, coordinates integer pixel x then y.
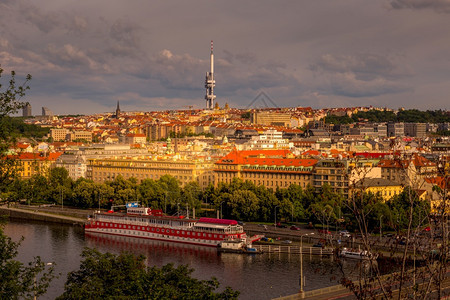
{"type": "Point", "coordinates": [154, 56]}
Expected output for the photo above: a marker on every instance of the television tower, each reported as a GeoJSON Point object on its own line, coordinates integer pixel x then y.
{"type": "Point", "coordinates": [210, 83]}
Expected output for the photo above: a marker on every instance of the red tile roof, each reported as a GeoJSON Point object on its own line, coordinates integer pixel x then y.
{"type": "Point", "coordinates": [265, 157]}
{"type": "Point", "coordinates": [37, 156]}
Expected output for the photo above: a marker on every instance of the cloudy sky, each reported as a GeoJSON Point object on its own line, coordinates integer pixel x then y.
{"type": "Point", "coordinates": [85, 56]}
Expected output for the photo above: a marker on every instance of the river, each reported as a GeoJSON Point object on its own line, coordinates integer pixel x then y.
{"type": "Point", "coordinates": [263, 276]}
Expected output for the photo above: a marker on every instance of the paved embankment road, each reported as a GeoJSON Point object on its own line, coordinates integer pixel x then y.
{"type": "Point", "coordinates": [47, 214]}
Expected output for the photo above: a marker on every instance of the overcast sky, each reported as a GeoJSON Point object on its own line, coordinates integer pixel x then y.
{"type": "Point", "coordinates": [85, 56]}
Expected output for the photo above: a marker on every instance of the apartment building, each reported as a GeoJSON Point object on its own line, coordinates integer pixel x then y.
{"type": "Point", "coordinates": [271, 168]}
{"type": "Point", "coordinates": [272, 118]}
{"type": "Point", "coordinates": [342, 175]}
{"type": "Point", "coordinates": [30, 164]}
{"type": "Point", "coordinates": [79, 135]}
{"type": "Point", "coordinates": [58, 134]}
{"type": "Point", "coordinates": [378, 186]}
{"type": "Point", "coordinates": [395, 129]}
{"type": "Point", "coordinates": [418, 130]}
{"type": "Point", "coordinates": [147, 167]}
{"type": "Point", "coordinates": [75, 160]}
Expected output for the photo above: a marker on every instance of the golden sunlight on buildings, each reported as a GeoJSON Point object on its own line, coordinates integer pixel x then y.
{"type": "Point", "coordinates": [147, 167]}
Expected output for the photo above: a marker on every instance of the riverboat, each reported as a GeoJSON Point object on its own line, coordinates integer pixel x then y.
{"type": "Point", "coordinates": [357, 254]}
{"type": "Point", "coordinates": [236, 246]}
{"type": "Point", "coordinates": [147, 223]}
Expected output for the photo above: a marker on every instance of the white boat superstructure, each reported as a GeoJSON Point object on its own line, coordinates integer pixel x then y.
{"type": "Point", "coordinates": [357, 254]}
{"type": "Point", "coordinates": [143, 222]}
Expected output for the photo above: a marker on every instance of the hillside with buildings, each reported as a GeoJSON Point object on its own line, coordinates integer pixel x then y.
{"type": "Point", "coordinates": [273, 147]}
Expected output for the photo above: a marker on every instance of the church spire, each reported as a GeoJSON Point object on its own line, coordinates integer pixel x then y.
{"type": "Point", "coordinates": [117, 110]}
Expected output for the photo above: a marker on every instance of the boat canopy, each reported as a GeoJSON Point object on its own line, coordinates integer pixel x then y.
{"type": "Point", "coordinates": [217, 221]}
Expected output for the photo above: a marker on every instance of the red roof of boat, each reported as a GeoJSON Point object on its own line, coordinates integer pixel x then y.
{"type": "Point", "coordinates": [217, 221]}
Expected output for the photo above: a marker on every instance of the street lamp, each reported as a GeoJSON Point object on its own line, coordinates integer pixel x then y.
{"type": "Point", "coordinates": [302, 293]}
{"type": "Point", "coordinates": [381, 217]}
{"type": "Point", "coordinates": [99, 196]}
{"type": "Point", "coordinates": [276, 216]}
{"type": "Point", "coordinates": [62, 199]}
{"type": "Point", "coordinates": [221, 215]}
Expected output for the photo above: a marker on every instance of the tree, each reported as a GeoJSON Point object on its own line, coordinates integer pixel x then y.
{"type": "Point", "coordinates": [59, 185]}
{"type": "Point", "coordinates": [244, 205]}
{"type": "Point", "coordinates": [191, 194]}
{"type": "Point", "coordinates": [409, 215]}
{"type": "Point", "coordinates": [172, 191]}
{"type": "Point", "coordinates": [84, 193]}
{"type": "Point", "coordinates": [17, 280]}
{"type": "Point", "coordinates": [151, 193]}
{"type": "Point", "coordinates": [9, 104]}
{"type": "Point", "coordinates": [125, 276]}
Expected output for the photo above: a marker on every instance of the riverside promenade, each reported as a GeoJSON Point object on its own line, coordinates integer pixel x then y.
{"type": "Point", "coordinates": [46, 214]}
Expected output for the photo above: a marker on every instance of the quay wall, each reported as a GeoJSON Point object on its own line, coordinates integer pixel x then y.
{"type": "Point", "coordinates": [26, 214]}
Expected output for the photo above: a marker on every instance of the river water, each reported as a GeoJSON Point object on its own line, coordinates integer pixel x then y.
{"type": "Point", "coordinates": [263, 276]}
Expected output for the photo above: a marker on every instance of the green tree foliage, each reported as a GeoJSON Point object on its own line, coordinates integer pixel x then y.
{"type": "Point", "coordinates": [244, 205]}
{"type": "Point", "coordinates": [83, 194]}
{"type": "Point", "coordinates": [191, 195]}
{"type": "Point", "coordinates": [331, 119]}
{"type": "Point", "coordinates": [18, 128]}
{"type": "Point", "coordinates": [125, 276]}
{"type": "Point", "coordinates": [400, 206]}
{"type": "Point", "coordinates": [171, 188]}
{"type": "Point", "coordinates": [9, 104]}
{"type": "Point", "coordinates": [408, 115]}
{"type": "Point", "coordinates": [19, 281]}
{"type": "Point", "coordinates": [59, 185]}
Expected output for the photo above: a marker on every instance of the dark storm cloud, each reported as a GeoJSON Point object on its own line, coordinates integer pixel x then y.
{"type": "Point", "coordinates": [365, 66]}
{"type": "Point", "coordinates": [45, 22]}
{"type": "Point", "coordinates": [442, 6]}
{"type": "Point", "coordinates": [360, 75]}
{"type": "Point", "coordinates": [77, 25]}
{"type": "Point", "coordinates": [154, 53]}
{"type": "Point", "coordinates": [125, 37]}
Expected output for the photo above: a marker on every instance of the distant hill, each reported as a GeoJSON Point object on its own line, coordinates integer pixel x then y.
{"type": "Point", "coordinates": [408, 115]}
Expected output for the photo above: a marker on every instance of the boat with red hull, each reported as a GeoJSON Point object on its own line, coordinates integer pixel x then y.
{"type": "Point", "coordinates": [147, 223]}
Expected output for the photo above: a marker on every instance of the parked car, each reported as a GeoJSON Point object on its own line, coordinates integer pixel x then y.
{"type": "Point", "coordinates": [286, 242]}
{"type": "Point", "coordinates": [295, 227]}
{"type": "Point", "coordinates": [279, 225]}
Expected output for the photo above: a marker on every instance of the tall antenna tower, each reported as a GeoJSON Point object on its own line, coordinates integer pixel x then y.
{"type": "Point", "coordinates": [210, 83]}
